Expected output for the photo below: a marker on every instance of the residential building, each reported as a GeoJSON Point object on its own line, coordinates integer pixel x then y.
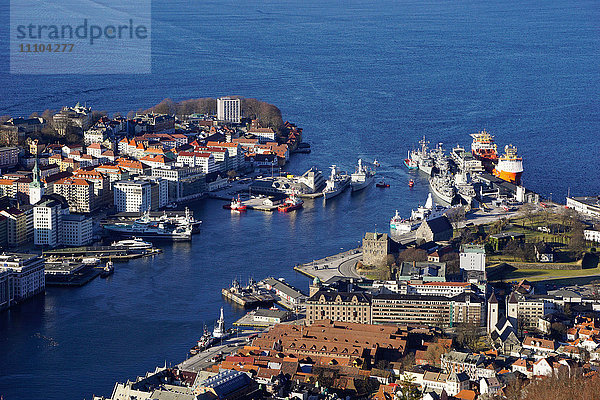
{"type": "Point", "coordinates": [263, 135]}
{"type": "Point", "coordinates": [47, 218]}
{"type": "Point", "coordinates": [77, 230]}
{"type": "Point", "coordinates": [19, 224]}
{"type": "Point", "coordinates": [132, 196]}
{"type": "Point", "coordinates": [229, 109]}
{"type": "Point", "coordinates": [27, 125]}
{"type": "Point", "coordinates": [21, 277]}
{"type": "Point", "coordinates": [78, 192]}
{"type": "Point", "coordinates": [472, 257]}
{"type": "Point", "coordinates": [591, 235]}
{"type": "Point", "coordinates": [9, 156]}
{"type": "Point", "coordinates": [525, 311]}
{"type": "Point", "coordinates": [183, 183]}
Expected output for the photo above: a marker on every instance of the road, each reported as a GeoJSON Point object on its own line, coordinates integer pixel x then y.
{"type": "Point", "coordinates": [203, 360]}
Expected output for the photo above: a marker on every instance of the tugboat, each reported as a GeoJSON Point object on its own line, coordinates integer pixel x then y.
{"type": "Point", "coordinates": [291, 203]}
{"type": "Point", "coordinates": [336, 183]}
{"type": "Point", "coordinates": [108, 270]}
{"type": "Point", "coordinates": [410, 163]}
{"type": "Point", "coordinates": [236, 205]}
{"type": "Point", "coordinates": [382, 184]}
{"type": "Point", "coordinates": [411, 183]}
{"type": "Point", "coordinates": [362, 178]}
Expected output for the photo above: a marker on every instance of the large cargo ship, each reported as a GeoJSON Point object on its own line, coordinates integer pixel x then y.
{"type": "Point", "coordinates": [152, 230]}
{"type": "Point", "coordinates": [362, 178]}
{"type": "Point", "coordinates": [483, 147]}
{"type": "Point", "coordinates": [510, 166]}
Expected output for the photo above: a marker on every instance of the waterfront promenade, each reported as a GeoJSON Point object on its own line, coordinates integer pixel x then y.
{"type": "Point", "coordinates": [229, 346]}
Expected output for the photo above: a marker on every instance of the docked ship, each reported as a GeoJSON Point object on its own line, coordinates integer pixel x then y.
{"type": "Point", "coordinates": [464, 187]}
{"type": "Point", "coordinates": [292, 203]}
{"type": "Point", "coordinates": [510, 166]}
{"type": "Point", "coordinates": [400, 225]}
{"type": "Point", "coordinates": [236, 205]}
{"type": "Point", "coordinates": [186, 219]}
{"type": "Point", "coordinates": [108, 270]}
{"type": "Point", "coordinates": [153, 230]}
{"type": "Point", "coordinates": [362, 177]}
{"type": "Point", "coordinates": [440, 161]}
{"type": "Point", "coordinates": [219, 333]}
{"type": "Point", "coordinates": [483, 147]}
{"type": "Point", "coordinates": [422, 157]}
{"type": "Point", "coordinates": [133, 244]}
{"type": "Point", "coordinates": [336, 184]}
{"type": "Point", "coordinates": [443, 187]}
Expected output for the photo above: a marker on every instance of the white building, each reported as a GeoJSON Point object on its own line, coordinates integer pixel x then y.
{"type": "Point", "coordinates": [229, 110]}
{"type": "Point", "coordinates": [76, 230]}
{"type": "Point", "coordinates": [132, 196]}
{"type": "Point", "coordinates": [21, 277]}
{"type": "Point", "coordinates": [197, 159]}
{"type": "Point", "coordinates": [592, 235]}
{"type": "Point", "coordinates": [589, 205]}
{"type": "Point", "coordinates": [472, 258]}
{"type": "Point", "coordinates": [47, 217]}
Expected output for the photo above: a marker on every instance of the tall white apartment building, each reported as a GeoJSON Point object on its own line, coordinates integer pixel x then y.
{"type": "Point", "coordinates": [229, 109]}
{"type": "Point", "coordinates": [47, 217]}
{"type": "Point", "coordinates": [54, 225]}
{"type": "Point", "coordinates": [472, 258]}
{"type": "Point", "coordinates": [132, 196]}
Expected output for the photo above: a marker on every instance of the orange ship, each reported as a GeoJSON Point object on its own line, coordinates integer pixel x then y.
{"type": "Point", "coordinates": [483, 147]}
{"type": "Point", "coordinates": [510, 166]}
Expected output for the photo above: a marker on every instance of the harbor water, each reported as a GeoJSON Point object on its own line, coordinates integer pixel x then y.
{"type": "Point", "coordinates": [363, 80]}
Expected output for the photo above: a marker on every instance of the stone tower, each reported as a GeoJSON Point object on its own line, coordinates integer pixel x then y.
{"type": "Point", "coordinates": [512, 310]}
{"type": "Point", "coordinates": [36, 187]}
{"type": "Point", "coordinates": [492, 313]}
{"type": "Point", "coordinates": [314, 287]}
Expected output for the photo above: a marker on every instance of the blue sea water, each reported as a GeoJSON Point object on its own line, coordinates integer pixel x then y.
{"type": "Point", "coordinates": [364, 79]}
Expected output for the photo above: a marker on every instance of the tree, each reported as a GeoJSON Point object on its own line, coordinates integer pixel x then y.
{"type": "Point", "coordinates": [468, 335]}
{"type": "Point", "coordinates": [561, 386]}
{"type": "Point", "coordinates": [577, 239]}
{"type": "Point", "coordinates": [232, 174]}
{"type": "Point", "coordinates": [408, 389]}
{"type": "Point", "coordinates": [434, 352]}
{"type": "Point", "coordinates": [412, 254]}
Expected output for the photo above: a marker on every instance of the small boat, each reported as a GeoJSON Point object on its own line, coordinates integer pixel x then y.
{"type": "Point", "coordinates": [90, 261]}
{"type": "Point", "coordinates": [108, 270]}
{"type": "Point", "coordinates": [376, 163]}
{"type": "Point", "coordinates": [291, 203]}
{"type": "Point", "coordinates": [411, 163]}
{"type": "Point", "coordinates": [382, 184]}
{"type": "Point", "coordinates": [411, 183]}
{"type": "Point", "coordinates": [236, 205]}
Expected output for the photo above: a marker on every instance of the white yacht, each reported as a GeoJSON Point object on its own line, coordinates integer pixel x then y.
{"type": "Point", "coordinates": [133, 243]}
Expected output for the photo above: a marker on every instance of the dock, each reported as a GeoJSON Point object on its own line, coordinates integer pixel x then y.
{"type": "Point", "coordinates": [101, 252]}
{"type": "Point", "coordinates": [248, 297]}
{"type": "Point", "coordinates": [264, 318]}
{"type": "Point", "coordinates": [338, 265]}
{"type": "Point", "coordinates": [68, 273]}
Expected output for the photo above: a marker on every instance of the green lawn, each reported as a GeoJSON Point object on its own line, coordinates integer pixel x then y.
{"type": "Point", "coordinates": [544, 274]}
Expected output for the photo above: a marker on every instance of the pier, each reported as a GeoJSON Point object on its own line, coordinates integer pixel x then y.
{"type": "Point", "coordinates": [101, 252]}
{"type": "Point", "coordinates": [339, 265]}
